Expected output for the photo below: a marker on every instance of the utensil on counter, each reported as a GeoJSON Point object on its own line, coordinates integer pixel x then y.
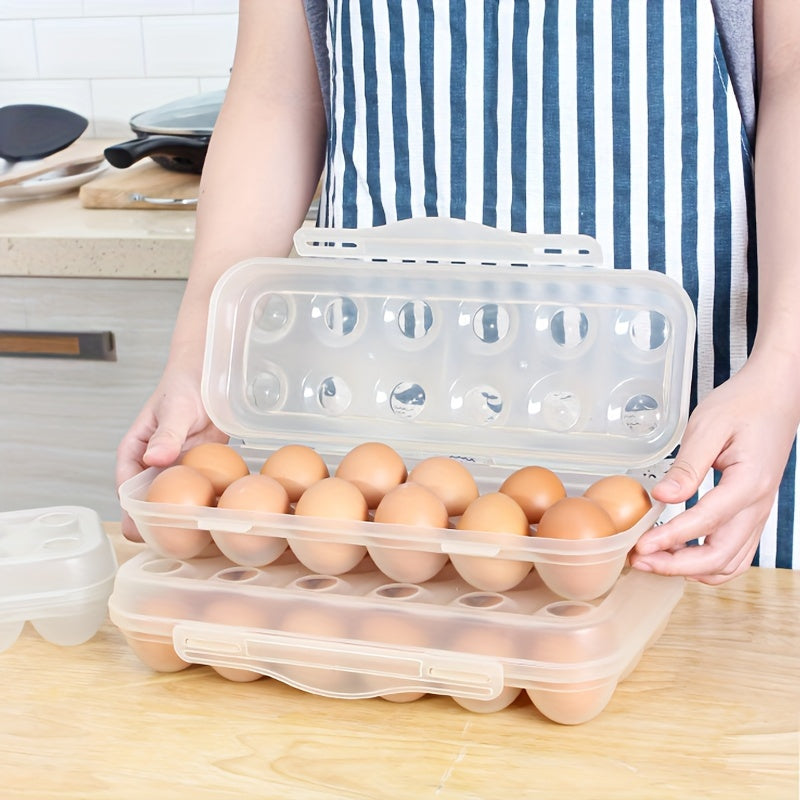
{"type": "Point", "coordinates": [174, 135]}
{"type": "Point", "coordinates": [52, 179]}
{"type": "Point", "coordinates": [76, 167]}
{"type": "Point", "coordinates": [29, 131]}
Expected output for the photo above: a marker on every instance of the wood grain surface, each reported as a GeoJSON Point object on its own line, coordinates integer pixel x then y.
{"type": "Point", "coordinates": [128, 188]}
{"type": "Point", "coordinates": [712, 711]}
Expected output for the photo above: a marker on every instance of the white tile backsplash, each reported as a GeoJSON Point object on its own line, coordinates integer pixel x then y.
{"type": "Point", "coordinates": [18, 51]}
{"type": "Point", "coordinates": [72, 95]}
{"type": "Point", "coordinates": [37, 9]}
{"type": "Point", "coordinates": [189, 45]}
{"type": "Point", "coordinates": [85, 48]}
{"type": "Point", "coordinates": [116, 101]}
{"type": "Point", "coordinates": [107, 8]}
{"type": "Point", "coordinates": [213, 84]}
{"type": "Point", "coordinates": [110, 59]}
{"type": "Point", "coordinates": [215, 6]}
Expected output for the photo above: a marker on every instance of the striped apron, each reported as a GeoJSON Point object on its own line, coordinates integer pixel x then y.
{"type": "Point", "coordinates": [612, 118]}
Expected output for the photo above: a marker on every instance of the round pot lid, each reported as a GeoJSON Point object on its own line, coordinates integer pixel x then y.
{"type": "Point", "coordinates": [191, 116]}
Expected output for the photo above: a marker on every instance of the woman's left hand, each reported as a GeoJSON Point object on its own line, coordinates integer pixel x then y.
{"type": "Point", "coordinates": [745, 430]}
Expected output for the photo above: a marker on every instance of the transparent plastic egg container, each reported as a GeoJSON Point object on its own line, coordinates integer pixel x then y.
{"type": "Point", "coordinates": [442, 338]}
{"type": "Point", "coordinates": [57, 570]}
{"type": "Point", "coordinates": [359, 636]}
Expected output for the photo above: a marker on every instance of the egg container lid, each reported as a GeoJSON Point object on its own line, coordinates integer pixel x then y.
{"type": "Point", "coordinates": [373, 637]}
{"type": "Point", "coordinates": [57, 568]}
{"type": "Point", "coordinates": [445, 337]}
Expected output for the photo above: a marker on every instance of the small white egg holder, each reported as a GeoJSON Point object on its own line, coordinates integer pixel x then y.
{"type": "Point", "coordinates": [377, 638]}
{"type": "Point", "coordinates": [443, 337]}
{"type": "Point", "coordinates": [57, 569]}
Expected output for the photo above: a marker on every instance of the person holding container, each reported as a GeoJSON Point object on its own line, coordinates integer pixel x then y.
{"type": "Point", "coordinates": [666, 130]}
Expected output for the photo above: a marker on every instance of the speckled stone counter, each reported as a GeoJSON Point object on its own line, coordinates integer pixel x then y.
{"type": "Point", "coordinates": [59, 237]}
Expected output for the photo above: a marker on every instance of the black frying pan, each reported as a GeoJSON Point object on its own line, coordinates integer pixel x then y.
{"type": "Point", "coordinates": [29, 131]}
{"type": "Point", "coordinates": [174, 135]}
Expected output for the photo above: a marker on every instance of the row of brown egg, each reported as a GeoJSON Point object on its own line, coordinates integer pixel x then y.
{"type": "Point", "coordinates": [372, 483]}
{"type": "Point", "coordinates": [545, 647]}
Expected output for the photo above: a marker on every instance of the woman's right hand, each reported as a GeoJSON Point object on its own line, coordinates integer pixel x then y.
{"type": "Point", "coordinates": [171, 421]}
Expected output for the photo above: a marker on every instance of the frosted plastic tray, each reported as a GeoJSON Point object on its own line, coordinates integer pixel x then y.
{"type": "Point", "coordinates": [580, 570]}
{"type": "Point", "coordinates": [57, 570]}
{"type": "Point", "coordinates": [441, 337]}
{"type": "Point", "coordinates": [359, 636]}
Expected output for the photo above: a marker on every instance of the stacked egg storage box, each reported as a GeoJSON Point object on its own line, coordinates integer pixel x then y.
{"type": "Point", "coordinates": [57, 571]}
{"type": "Point", "coordinates": [436, 337]}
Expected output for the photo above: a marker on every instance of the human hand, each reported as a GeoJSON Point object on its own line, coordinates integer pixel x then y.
{"type": "Point", "coordinates": [747, 435]}
{"type": "Point", "coordinates": [172, 419]}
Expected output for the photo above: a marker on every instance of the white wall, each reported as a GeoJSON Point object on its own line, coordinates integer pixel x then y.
{"type": "Point", "coordinates": [111, 59]}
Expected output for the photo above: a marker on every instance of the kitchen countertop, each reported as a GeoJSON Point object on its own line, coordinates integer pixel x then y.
{"type": "Point", "coordinates": [712, 710]}
{"type": "Point", "coordinates": [57, 236]}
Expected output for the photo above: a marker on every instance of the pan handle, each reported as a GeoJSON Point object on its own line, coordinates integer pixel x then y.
{"type": "Point", "coordinates": [127, 153]}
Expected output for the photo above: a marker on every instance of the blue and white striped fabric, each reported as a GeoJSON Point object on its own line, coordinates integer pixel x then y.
{"type": "Point", "coordinates": [613, 118]}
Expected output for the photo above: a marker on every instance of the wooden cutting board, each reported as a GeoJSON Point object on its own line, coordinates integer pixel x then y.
{"type": "Point", "coordinates": [144, 185]}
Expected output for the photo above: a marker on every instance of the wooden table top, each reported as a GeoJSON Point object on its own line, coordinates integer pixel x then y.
{"type": "Point", "coordinates": [712, 710]}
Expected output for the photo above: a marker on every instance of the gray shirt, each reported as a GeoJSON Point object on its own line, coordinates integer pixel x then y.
{"type": "Point", "coordinates": [734, 22]}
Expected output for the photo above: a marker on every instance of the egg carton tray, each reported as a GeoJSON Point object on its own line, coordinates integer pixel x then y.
{"type": "Point", "coordinates": [57, 570]}
{"type": "Point", "coordinates": [442, 337]}
{"type": "Point", "coordinates": [580, 569]}
{"type": "Point", "coordinates": [359, 636]}
{"type": "Point", "coordinates": [439, 337]}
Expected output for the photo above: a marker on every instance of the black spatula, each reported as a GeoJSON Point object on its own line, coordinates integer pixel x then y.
{"type": "Point", "coordinates": [29, 131]}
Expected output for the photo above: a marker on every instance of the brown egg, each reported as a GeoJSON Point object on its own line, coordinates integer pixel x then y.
{"type": "Point", "coordinates": [447, 478]}
{"type": "Point", "coordinates": [625, 499]}
{"type": "Point", "coordinates": [580, 572]}
{"type": "Point", "coordinates": [535, 489]}
{"type": "Point", "coordinates": [573, 703]}
{"type": "Point", "coordinates": [493, 512]}
{"type": "Point", "coordinates": [409, 504]}
{"type": "Point", "coordinates": [330, 625]}
{"type": "Point", "coordinates": [179, 485]}
{"type": "Point", "coordinates": [374, 468]}
{"type": "Point", "coordinates": [252, 493]}
{"type": "Point", "coordinates": [241, 611]}
{"type": "Point", "coordinates": [219, 462]}
{"type": "Point", "coordinates": [575, 518]}
{"type": "Point", "coordinates": [295, 467]}
{"type": "Point", "coordinates": [486, 640]}
{"type": "Point", "coordinates": [381, 627]}
{"type": "Point", "coordinates": [562, 648]}
{"type": "Point", "coordinates": [496, 513]}
{"type": "Point", "coordinates": [162, 611]}
{"type": "Point", "coordinates": [333, 499]}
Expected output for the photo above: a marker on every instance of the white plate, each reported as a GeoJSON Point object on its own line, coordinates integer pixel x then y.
{"type": "Point", "coordinates": [56, 181]}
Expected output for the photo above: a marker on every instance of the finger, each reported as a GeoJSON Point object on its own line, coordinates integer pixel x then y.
{"type": "Point", "coordinates": [683, 478]}
{"type": "Point", "coordinates": [130, 451]}
{"type": "Point", "coordinates": [694, 523]}
{"type": "Point", "coordinates": [715, 508]}
{"type": "Point", "coordinates": [717, 579]}
{"type": "Point", "coordinates": [174, 423]}
{"type": "Point", "coordinates": [738, 564]}
{"type": "Point", "coordinates": [164, 447]}
{"type": "Point", "coordinates": [129, 530]}
{"type": "Point", "coordinates": [707, 563]}
{"type": "Point", "coordinates": [699, 450]}
{"type": "Point", "coordinates": [686, 561]}
{"type": "Point", "coordinates": [724, 553]}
